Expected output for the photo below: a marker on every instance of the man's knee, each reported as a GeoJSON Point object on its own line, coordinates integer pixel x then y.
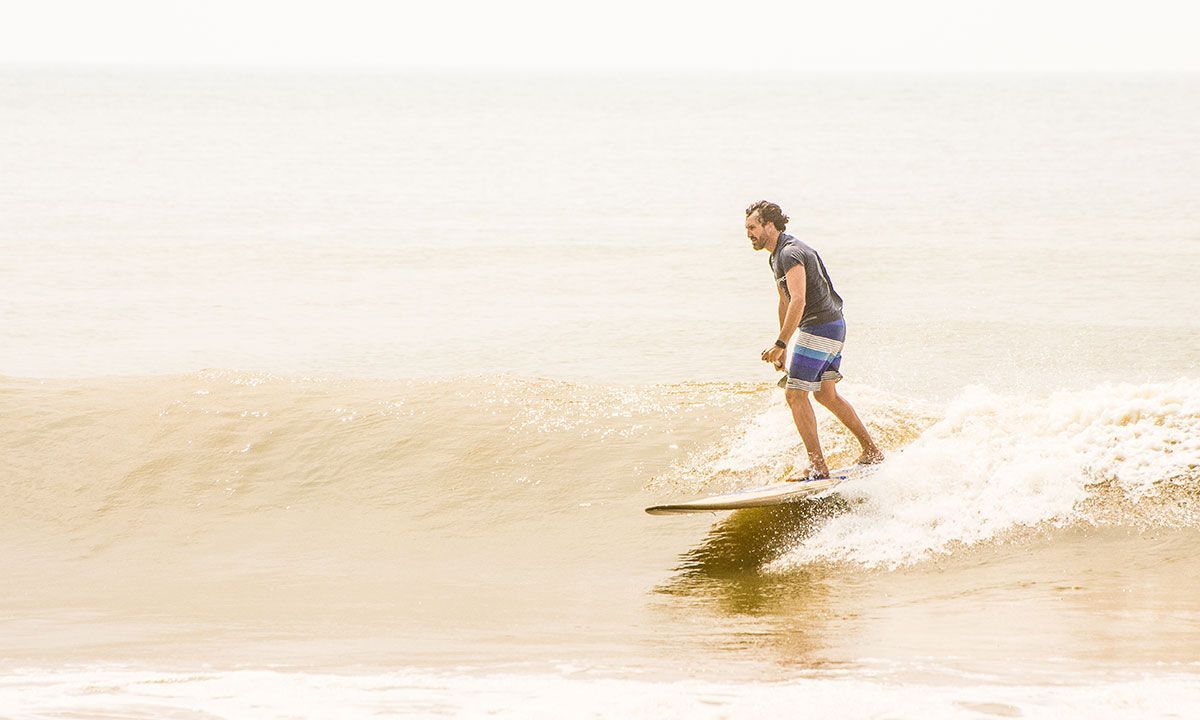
{"type": "Point", "coordinates": [826, 395]}
{"type": "Point", "coordinates": [795, 397]}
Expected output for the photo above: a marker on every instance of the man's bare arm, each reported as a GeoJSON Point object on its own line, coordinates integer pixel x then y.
{"type": "Point", "coordinates": [790, 318]}
{"type": "Point", "coordinates": [783, 305]}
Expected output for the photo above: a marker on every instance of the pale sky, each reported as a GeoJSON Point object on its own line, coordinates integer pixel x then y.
{"type": "Point", "coordinates": [831, 35]}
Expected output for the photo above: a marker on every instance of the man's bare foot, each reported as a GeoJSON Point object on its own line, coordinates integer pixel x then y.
{"type": "Point", "coordinates": [874, 456]}
{"type": "Point", "coordinates": [810, 474]}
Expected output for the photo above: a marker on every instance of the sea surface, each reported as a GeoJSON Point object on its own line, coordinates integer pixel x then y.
{"type": "Point", "coordinates": [331, 395]}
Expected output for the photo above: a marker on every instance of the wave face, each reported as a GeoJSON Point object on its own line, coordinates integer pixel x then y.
{"type": "Point", "coordinates": [231, 496]}
{"type": "Point", "coordinates": [185, 461]}
{"type": "Point", "coordinates": [98, 459]}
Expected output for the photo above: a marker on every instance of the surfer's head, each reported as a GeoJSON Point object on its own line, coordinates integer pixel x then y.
{"type": "Point", "coordinates": [764, 221]}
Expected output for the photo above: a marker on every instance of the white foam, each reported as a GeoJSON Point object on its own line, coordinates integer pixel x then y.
{"type": "Point", "coordinates": [768, 433]}
{"type": "Point", "coordinates": [267, 694]}
{"type": "Point", "coordinates": [995, 462]}
{"type": "Point", "coordinates": [769, 442]}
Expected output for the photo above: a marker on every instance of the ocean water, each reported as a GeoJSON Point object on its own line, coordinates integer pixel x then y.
{"type": "Point", "coordinates": [341, 395]}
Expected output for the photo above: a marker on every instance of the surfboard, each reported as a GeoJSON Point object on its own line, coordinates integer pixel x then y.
{"type": "Point", "coordinates": [774, 494]}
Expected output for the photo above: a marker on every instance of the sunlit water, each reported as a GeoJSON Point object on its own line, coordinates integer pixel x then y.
{"type": "Point", "coordinates": [343, 395]}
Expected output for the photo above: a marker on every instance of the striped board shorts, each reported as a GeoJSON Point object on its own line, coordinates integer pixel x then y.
{"type": "Point", "coordinates": [816, 356]}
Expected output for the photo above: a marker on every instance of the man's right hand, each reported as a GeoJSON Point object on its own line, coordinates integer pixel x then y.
{"type": "Point", "coordinates": [773, 355]}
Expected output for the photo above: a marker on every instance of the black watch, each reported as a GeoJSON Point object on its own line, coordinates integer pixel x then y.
{"type": "Point", "coordinates": [781, 345]}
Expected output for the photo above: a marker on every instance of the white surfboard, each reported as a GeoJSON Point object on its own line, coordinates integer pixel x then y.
{"type": "Point", "coordinates": [774, 494]}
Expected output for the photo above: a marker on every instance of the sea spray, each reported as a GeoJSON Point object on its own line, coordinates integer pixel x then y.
{"type": "Point", "coordinates": [997, 462]}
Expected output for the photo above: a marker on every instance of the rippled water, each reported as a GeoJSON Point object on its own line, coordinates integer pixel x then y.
{"type": "Point", "coordinates": [344, 394]}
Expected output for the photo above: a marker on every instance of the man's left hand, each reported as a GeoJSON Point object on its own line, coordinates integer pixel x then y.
{"type": "Point", "coordinates": [773, 355]}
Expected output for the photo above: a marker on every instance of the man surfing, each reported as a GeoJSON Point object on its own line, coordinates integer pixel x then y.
{"type": "Point", "coordinates": [807, 304]}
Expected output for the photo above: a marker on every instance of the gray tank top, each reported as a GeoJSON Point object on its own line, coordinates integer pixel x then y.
{"type": "Point", "coordinates": [822, 304]}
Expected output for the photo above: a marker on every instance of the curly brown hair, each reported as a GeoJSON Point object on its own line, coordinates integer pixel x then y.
{"type": "Point", "coordinates": [769, 212]}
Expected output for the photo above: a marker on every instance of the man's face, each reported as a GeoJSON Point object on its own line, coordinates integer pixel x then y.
{"type": "Point", "coordinates": [756, 231]}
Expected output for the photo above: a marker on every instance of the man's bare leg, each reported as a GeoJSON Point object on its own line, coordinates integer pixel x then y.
{"type": "Point", "coordinates": [806, 423]}
{"type": "Point", "coordinates": [844, 411]}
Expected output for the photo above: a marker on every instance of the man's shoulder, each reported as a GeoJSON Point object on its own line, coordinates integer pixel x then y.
{"type": "Point", "coordinates": [797, 243]}
{"type": "Point", "coordinates": [790, 246]}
